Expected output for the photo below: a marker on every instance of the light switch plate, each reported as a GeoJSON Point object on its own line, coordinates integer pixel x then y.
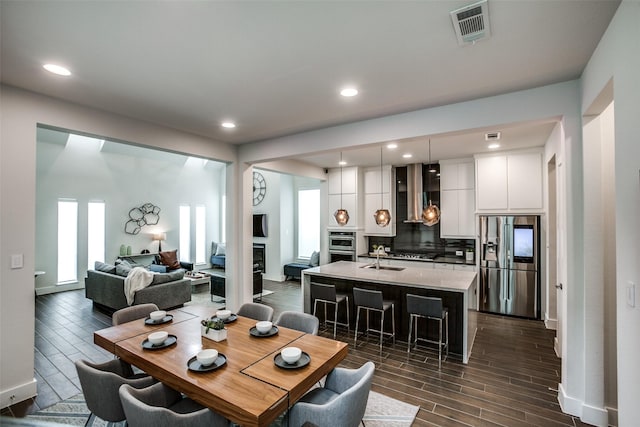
{"type": "Point", "coordinates": [631, 294]}
{"type": "Point", "coordinates": [17, 261]}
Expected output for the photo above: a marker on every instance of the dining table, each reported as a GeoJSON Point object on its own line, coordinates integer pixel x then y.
{"type": "Point", "coordinates": [251, 387]}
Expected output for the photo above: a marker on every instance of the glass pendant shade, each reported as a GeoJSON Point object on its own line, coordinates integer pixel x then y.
{"type": "Point", "coordinates": [383, 217]}
{"type": "Point", "coordinates": [431, 215]}
{"type": "Point", "coordinates": [341, 216]}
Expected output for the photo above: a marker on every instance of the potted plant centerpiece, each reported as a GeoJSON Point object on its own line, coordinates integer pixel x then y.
{"type": "Point", "coordinates": [214, 329]}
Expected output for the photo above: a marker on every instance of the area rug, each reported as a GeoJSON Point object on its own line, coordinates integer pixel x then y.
{"type": "Point", "coordinates": [205, 298]}
{"type": "Point", "coordinates": [382, 411]}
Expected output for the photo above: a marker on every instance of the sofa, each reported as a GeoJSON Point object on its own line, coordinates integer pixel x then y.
{"type": "Point", "coordinates": [218, 255]}
{"type": "Point", "coordinates": [293, 270]}
{"type": "Point", "coordinates": [106, 289]}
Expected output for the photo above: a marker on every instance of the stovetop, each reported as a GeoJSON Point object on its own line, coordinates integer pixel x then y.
{"type": "Point", "coordinates": [405, 255]}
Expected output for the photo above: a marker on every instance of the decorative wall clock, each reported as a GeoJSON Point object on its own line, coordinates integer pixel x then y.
{"type": "Point", "coordinates": [259, 188]}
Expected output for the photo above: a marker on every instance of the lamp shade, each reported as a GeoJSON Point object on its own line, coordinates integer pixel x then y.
{"type": "Point", "coordinates": [431, 215]}
{"type": "Point", "coordinates": [341, 216]}
{"type": "Point", "coordinates": [383, 217]}
{"type": "Point", "coordinates": [160, 236]}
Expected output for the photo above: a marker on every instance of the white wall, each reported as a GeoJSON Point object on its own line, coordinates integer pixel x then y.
{"type": "Point", "coordinates": [123, 177]}
{"type": "Point", "coordinates": [618, 57]}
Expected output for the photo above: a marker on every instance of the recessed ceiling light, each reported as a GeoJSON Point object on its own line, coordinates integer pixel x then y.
{"type": "Point", "coordinates": [407, 156]}
{"type": "Point", "coordinates": [57, 69]}
{"type": "Point", "coordinates": [392, 146]}
{"type": "Point", "coordinates": [342, 163]}
{"type": "Point", "coordinates": [228, 125]}
{"type": "Point", "coordinates": [494, 146]}
{"type": "Point", "coordinates": [349, 91]}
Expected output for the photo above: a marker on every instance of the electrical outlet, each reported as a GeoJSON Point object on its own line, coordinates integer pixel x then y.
{"type": "Point", "coordinates": [631, 294]}
{"type": "Point", "coordinates": [458, 253]}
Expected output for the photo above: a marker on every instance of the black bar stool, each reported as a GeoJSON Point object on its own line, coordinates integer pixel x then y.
{"type": "Point", "coordinates": [327, 294]}
{"type": "Point", "coordinates": [429, 308]}
{"type": "Point", "coordinates": [370, 300]}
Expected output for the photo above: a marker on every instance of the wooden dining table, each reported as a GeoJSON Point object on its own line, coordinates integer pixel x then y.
{"type": "Point", "coordinates": [249, 389]}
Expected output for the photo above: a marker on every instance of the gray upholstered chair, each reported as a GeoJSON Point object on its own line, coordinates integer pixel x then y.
{"type": "Point", "coordinates": [429, 308]}
{"type": "Point", "coordinates": [371, 300]}
{"type": "Point", "coordinates": [299, 321]}
{"type": "Point", "coordinates": [161, 406]}
{"type": "Point", "coordinates": [100, 384]}
{"type": "Point", "coordinates": [134, 312]}
{"type": "Point", "coordinates": [256, 311]}
{"type": "Point", "coordinates": [341, 402]}
{"type": "Point", "coordinates": [326, 294]}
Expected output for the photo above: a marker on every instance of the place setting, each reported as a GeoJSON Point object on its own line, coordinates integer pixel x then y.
{"type": "Point", "coordinates": [225, 315]}
{"type": "Point", "coordinates": [292, 358]}
{"type": "Point", "coordinates": [158, 317]}
{"type": "Point", "coordinates": [263, 329]}
{"type": "Point", "coordinates": [207, 360]}
{"type": "Point", "coordinates": [159, 340]}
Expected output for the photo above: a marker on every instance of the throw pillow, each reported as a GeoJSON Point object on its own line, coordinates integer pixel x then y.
{"type": "Point", "coordinates": [123, 268]}
{"type": "Point", "coordinates": [105, 268]}
{"type": "Point", "coordinates": [170, 259]}
{"type": "Point", "coordinates": [220, 249]}
{"type": "Point", "coordinates": [214, 246]}
{"type": "Point", "coordinates": [315, 259]}
{"type": "Point", "coordinates": [157, 268]}
{"type": "Point", "coordinates": [171, 276]}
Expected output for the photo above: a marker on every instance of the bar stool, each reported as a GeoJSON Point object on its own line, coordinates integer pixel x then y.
{"type": "Point", "coordinates": [327, 294]}
{"type": "Point", "coordinates": [429, 308]}
{"type": "Point", "coordinates": [370, 300]}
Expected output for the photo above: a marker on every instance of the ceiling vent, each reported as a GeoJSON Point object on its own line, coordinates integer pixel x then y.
{"type": "Point", "coordinates": [492, 136]}
{"type": "Point", "coordinates": [471, 22]}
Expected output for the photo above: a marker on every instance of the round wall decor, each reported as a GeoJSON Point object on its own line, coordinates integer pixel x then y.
{"type": "Point", "coordinates": [259, 188]}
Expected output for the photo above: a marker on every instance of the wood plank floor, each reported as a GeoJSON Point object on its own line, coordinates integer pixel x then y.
{"type": "Point", "coordinates": [511, 378]}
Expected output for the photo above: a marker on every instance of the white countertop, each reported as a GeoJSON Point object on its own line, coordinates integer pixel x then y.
{"type": "Point", "coordinates": [449, 280]}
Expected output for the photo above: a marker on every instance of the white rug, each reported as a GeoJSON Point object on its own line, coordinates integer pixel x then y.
{"type": "Point", "coordinates": [382, 411]}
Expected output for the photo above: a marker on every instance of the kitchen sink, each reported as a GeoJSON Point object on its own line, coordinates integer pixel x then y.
{"type": "Point", "coordinates": [383, 267]}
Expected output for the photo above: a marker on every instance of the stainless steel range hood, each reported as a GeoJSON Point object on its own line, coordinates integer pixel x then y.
{"type": "Point", "coordinates": [414, 194]}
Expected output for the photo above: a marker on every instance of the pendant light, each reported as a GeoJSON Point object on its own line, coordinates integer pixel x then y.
{"type": "Point", "coordinates": [430, 214]}
{"type": "Point", "coordinates": [382, 216]}
{"type": "Point", "coordinates": [341, 215]}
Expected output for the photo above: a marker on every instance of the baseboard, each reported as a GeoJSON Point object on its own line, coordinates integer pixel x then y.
{"type": "Point", "coordinates": [569, 405]}
{"type": "Point", "coordinates": [613, 416]}
{"type": "Point", "coordinates": [551, 323]}
{"type": "Point", "coordinates": [18, 394]}
{"type": "Point", "coordinates": [594, 416]}
{"type": "Point", "coordinates": [59, 288]}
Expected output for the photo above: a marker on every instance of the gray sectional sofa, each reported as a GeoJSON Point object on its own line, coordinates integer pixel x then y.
{"type": "Point", "coordinates": [107, 290]}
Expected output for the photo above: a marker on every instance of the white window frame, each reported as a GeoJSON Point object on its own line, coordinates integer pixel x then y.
{"type": "Point", "coordinates": [67, 241]}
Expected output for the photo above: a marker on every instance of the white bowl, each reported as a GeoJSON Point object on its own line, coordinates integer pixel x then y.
{"type": "Point", "coordinates": [223, 314]}
{"type": "Point", "coordinates": [157, 338]}
{"type": "Point", "coordinates": [291, 354]}
{"type": "Point", "coordinates": [207, 357]}
{"type": "Point", "coordinates": [157, 315]}
{"type": "Point", "coordinates": [264, 326]}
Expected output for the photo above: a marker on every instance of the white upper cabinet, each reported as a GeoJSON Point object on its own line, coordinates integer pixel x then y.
{"type": "Point", "coordinates": [346, 196]}
{"type": "Point", "coordinates": [509, 182]}
{"type": "Point", "coordinates": [457, 199]}
{"type": "Point", "coordinates": [375, 199]}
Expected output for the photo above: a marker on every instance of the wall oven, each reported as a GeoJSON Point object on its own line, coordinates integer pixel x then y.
{"type": "Point", "coordinates": [342, 246]}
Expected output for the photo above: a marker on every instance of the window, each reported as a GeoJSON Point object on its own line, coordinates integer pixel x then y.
{"type": "Point", "coordinates": [185, 233]}
{"type": "Point", "coordinates": [200, 235]}
{"type": "Point", "coordinates": [67, 241]}
{"type": "Point", "coordinates": [308, 222]}
{"type": "Point", "coordinates": [95, 233]}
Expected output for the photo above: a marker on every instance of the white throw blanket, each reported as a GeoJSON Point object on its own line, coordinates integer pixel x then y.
{"type": "Point", "coordinates": [138, 278]}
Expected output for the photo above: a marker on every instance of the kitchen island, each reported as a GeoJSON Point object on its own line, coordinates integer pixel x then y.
{"type": "Point", "coordinates": [456, 288]}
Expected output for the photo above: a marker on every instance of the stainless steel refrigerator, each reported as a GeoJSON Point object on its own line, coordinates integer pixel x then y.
{"type": "Point", "coordinates": [509, 265]}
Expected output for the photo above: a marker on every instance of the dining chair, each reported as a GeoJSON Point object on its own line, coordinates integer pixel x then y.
{"type": "Point", "coordinates": [371, 300]}
{"type": "Point", "coordinates": [100, 383]}
{"type": "Point", "coordinates": [429, 308]}
{"type": "Point", "coordinates": [326, 294]}
{"type": "Point", "coordinates": [161, 406]}
{"type": "Point", "coordinates": [341, 402]}
{"type": "Point", "coordinates": [256, 311]}
{"type": "Point", "coordinates": [133, 312]}
{"type": "Point", "coordinates": [299, 321]}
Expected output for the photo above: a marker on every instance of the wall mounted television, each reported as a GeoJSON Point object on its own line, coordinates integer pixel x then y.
{"type": "Point", "coordinates": [259, 225]}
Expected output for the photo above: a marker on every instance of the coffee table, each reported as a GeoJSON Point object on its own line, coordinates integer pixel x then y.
{"type": "Point", "coordinates": [200, 279]}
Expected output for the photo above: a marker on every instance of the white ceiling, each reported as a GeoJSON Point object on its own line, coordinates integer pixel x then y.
{"type": "Point", "coordinates": [275, 67]}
